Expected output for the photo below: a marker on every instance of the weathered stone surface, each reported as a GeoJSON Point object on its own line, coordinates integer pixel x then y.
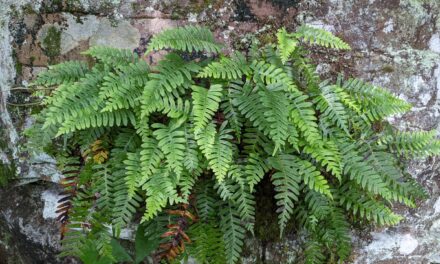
{"type": "Point", "coordinates": [28, 233]}
{"type": "Point", "coordinates": [396, 44]}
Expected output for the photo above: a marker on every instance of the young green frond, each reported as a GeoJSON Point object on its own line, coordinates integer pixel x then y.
{"type": "Point", "coordinates": [286, 44]}
{"type": "Point", "coordinates": [121, 90]}
{"type": "Point", "coordinates": [188, 38]}
{"type": "Point", "coordinates": [320, 37]}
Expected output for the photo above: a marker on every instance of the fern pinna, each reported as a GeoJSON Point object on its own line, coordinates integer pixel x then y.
{"type": "Point", "coordinates": [205, 128]}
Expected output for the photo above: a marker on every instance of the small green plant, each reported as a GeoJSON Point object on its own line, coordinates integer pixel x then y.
{"type": "Point", "coordinates": [179, 148]}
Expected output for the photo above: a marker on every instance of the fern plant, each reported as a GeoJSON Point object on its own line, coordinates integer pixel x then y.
{"type": "Point", "coordinates": [200, 130]}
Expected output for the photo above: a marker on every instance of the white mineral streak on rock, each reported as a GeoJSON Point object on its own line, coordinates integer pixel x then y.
{"type": "Point", "coordinates": [384, 246]}
{"type": "Point", "coordinates": [322, 25]}
{"type": "Point", "coordinates": [436, 207]}
{"type": "Point", "coordinates": [434, 43]}
{"type": "Point", "coordinates": [50, 199]}
{"type": "Point", "coordinates": [407, 244]}
{"type": "Point", "coordinates": [389, 26]}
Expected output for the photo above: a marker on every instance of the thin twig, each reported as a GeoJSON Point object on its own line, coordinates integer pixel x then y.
{"type": "Point", "coordinates": [27, 104]}
{"type": "Point", "coordinates": [27, 89]}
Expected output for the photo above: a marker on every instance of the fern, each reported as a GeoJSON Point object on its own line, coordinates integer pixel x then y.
{"type": "Point", "coordinates": [320, 37]}
{"type": "Point", "coordinates": [233, 233]}
{"type": "Point", "coordinates": [206, 103]}
{"type": "Point", "coordinates": [190, 142]}
{"type": "Point", "coordinates": [64, 73]}
{"type": "Point", "coordinates": [286, 181]}
{"type": "Point", "coordinates": [286, 44]}
{"type": "Point", "coordinates": [227, 68]}
{"type": "Point", "coordinates": [188, 38]}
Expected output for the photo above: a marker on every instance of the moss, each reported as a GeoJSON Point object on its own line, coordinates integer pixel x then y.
{"type": "Point", "coordinates": [387, 69]}
{"type": "Point", "coordinates": [28, 9]}
{"type": "Point", "coordinates": [18, 65]}
{"type": "Point", "coordinates": [52, 42]}
{"type": "Point", "coordinates": [7, 172]}
{"type": "Point", "coordinates": [52, 6]}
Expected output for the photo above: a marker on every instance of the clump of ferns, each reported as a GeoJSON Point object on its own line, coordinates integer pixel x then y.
{"type": "Point", "coordinates": [210, 129]}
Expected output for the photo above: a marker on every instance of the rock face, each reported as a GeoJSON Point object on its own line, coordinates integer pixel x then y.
{"type": "Point", "coordinates": [396, 44]}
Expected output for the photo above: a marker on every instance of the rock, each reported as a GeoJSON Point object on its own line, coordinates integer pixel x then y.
{"type": "Point", "coordinates": [26, 236]}
{"type": "Point", "coordinates": [123, 35]}
{"type": "Point", "coordinates": [77, 31]}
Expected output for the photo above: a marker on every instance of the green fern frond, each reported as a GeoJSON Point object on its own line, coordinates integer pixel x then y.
{"type": "Point", "coordinates": [188, 38]}
{"type": "Point", "coordinates": [160, 190]}
{"type": "Point", "coordinates": [313, 253]}
{"type": "Point", "coordinates": [255, 169]}
{"type": "Point", "coordinates": [267, 73]}
{"type": "Point", "coordinates": [286, 181]}
{"type": "Point", "coordinates": [312, 177]}
{"type": "Point", "coordinates": [303, 117]}
{"type": "Point", "coordinates": [112, 56]}
{"type": "Point", "coordinates": [412, 144]}
{"type": "Point", "coordinates": [221, 154]}
{"type": "Point", "coordinates": [231, 112]}
{"type": "Point", "coordinates": [206, 200]}
{"type": "Point", "coordinates": [171, 140]}
{"type": "Point", "coordinates": [173, 71]}
{"type": "Point", "coordinates": [366, 207]}
{"type": "Point", "coordinates": [276, 113]}
{"type": "Point", "coordinates": [151, 156]}
{"type": "Point", "coordinates": [320, 37]}
{"type": "Point", "coordinates": [206, 103]}
{"type": "Point", "coordinates": [63, 73]}
{"type": "Point", "coordinates": [359, 170]}
{"type": "Point", "coordinates": [121, 90]}
{"type": "Point", "coordinates": [331, 108]}
{"type": "Point", "coordinates": [245, 204]}
{"type": "Point", "coordinates": [233, 233]}
{"type": "Point", "coordinates": [208, 246]}
{"type": "Point", "coordinates": [286, 44]}
{"type": "Point", "coordinates": [375, 102]}
{"type": "Point", "coordinates": [227, 68]}
{"type": "Point", "coordinates": [328, 156]}
{"type": "Point", "coordinates": [125, 203]}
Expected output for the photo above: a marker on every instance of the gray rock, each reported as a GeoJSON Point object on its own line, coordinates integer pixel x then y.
{"type": "Point", "coordinates": [123, 35]}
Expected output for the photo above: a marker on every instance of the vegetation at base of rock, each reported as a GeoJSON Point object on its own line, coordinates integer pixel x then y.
{"type": "Point", "coordinates": [183, 147]}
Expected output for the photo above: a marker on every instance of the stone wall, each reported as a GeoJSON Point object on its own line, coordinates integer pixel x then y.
{"type": "Point", "coordinates": [396, 44]}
